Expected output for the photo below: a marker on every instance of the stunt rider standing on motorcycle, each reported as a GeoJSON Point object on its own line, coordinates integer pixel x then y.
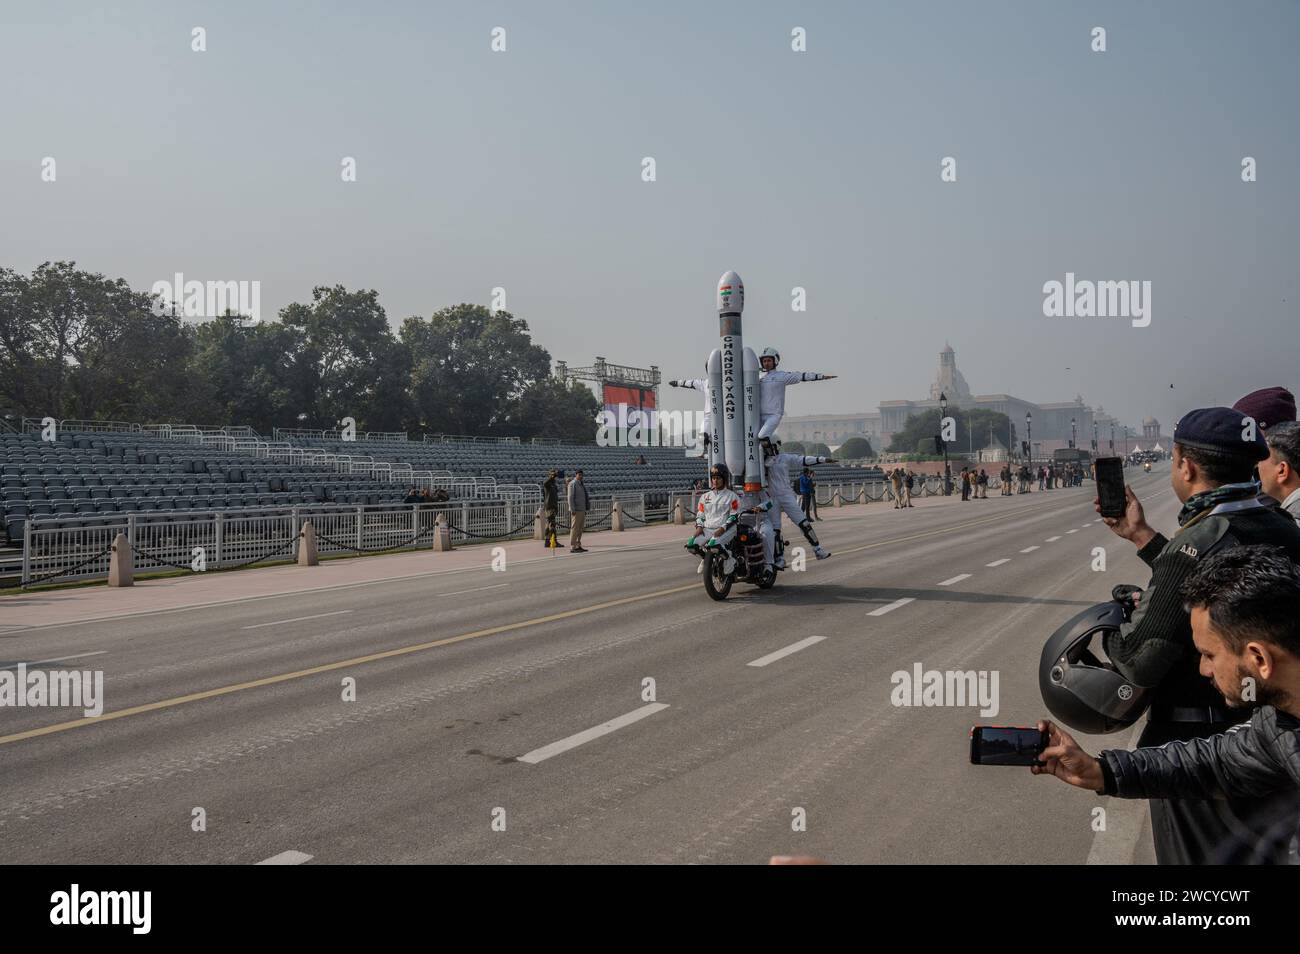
{"type": "Point", "coordinates": [771, 391]}
{"type": "Point", "coordinates": [716, 518]}
{"type": "Point", "coordinates": [778, 488]}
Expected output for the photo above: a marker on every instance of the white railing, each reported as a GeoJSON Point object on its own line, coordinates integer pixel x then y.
{"type": "Point", "coordinates": [33, 425]}
{"type": "Point", "coordinates": [217, 539]}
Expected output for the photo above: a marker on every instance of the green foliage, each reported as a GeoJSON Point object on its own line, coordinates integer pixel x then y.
{"type": "Point", "coordinates": [469, 368]}
{"type": "Point", "coordinates": [78, 345]}
{"type": "Point", "coordinates": [972, 430]}
{"type": "Point", "coordinates": [817, 450]}
{"type": "Point", "coordinates": [547, 408]}
{"type": "Point", "coordinates": [854, 448]}
{"type": "Point", "coordinates": [793, 447]}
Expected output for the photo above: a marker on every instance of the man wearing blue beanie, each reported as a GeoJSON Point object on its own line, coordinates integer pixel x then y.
{"type": "Point", "coordinates": [1215, 453]}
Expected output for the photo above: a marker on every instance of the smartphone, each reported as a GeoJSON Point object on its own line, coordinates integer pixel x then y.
{"type": "Point", "coordinates": [1006, 745]}
{"type": "Point", "coordinates": [1110, 486]}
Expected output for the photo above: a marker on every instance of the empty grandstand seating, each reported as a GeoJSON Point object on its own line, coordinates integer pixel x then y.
{"type": "Point", "coordinates": [606, 470]}
{"type": "Point", "coordinates": [98, 476]}
{"type": "Point", "coordinates": [94, 478]}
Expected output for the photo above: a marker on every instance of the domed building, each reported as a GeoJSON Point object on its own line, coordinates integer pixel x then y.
{"type": "Point", "coordinates": [1051, 427]}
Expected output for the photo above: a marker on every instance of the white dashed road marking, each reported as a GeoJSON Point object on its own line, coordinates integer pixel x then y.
{"type": "Point", "coordinates": [782, 653]}
{"type": "Point", "coordinates": [1052, 539]}
{"type": "Point", "coordinates": [586, 735]}
{"type": "Point", "coordinates": [955, 579]}
{"type": "Point", "coordinates": [287, 858]}
{"type": "Point", "coordinates": [38, 662]}
{"type": "Point", "coordinates": [1029, 549]}
{"type": "Point", "coordinates": [1072, 531]}
{"type": "Point", "coordinates": [890, 607]}
{"type": "Point", "coordinates": [999, 562]}
{"type": "Point", "coordinates": [296, 619]}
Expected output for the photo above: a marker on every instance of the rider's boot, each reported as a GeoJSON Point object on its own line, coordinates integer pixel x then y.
{"type": "Point", "coordinates": [806, 526]}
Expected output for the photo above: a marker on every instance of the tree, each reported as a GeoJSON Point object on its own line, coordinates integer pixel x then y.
{"type": "Point", "coordinates": [346, 354]}
{"type": "Point", "coordinates": [549, 408]}
{"type": "Point", "coordinates": [817, 450]}
{"type": "Point", "coordinates": [854, 448]}
{"type": "Point", "coordinates": [793, 447]}
{"type": "Point", "coordinates": [972, 430]}
{"type": "Point", "coordinates": [246, 374]}
{"type": "Point", "coordinates": [76, 344]}
{"type": "Point", "coordinates": [18, 348]}
{"type": "Point", "coordinates": [469, 368]}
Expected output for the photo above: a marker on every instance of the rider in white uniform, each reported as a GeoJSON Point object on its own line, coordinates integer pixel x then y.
{"type": "Point", "coordinates": [771, 390]}
{"type": "Point", "coordinates": [782, 494]}
{"type": "Point", "coordinates": [701, 385]}
{"type": "Point", "coordinates": [716, 517]}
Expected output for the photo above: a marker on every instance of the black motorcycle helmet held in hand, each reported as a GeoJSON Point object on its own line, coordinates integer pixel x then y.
{"type": "Point", "coordinates": [1081, 690]}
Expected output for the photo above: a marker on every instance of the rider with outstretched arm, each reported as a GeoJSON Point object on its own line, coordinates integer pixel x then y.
{"type": "Point", "coordinates": [771, 391]}
{"type": "Point", "coordinates": [701, 385]}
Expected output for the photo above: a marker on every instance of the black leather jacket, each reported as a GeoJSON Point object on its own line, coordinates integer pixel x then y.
{"type": "Point", "coordinates": [1257, 758]}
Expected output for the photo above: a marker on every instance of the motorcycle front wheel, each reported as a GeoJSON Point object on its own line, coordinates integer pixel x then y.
{"type": "Point", "coordinates": [716, 583]}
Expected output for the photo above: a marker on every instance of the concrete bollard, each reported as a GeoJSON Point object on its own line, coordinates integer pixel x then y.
{"type": "Point", "coordinates": [616, 516]}
{"type": "Point", "coordinates": [839, 496]}
{"type": "Point", "coordinates": [539, 528]}
{"type": "Point", "coordinates": [679, 514]}
{"type": "Point", "coordinates": [441, 536]}
{"type": "Point", "coordinates": [121, 565]}
{"type": "Point", "coordinates": [307, 555]}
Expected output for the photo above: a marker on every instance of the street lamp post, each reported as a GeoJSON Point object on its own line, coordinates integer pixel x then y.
{"type": "Point", "coordinates": [1112, 438]}
{"type": "Point", "coordinates": [1073, 435]}
{"type": "Point", "coordinates": [947, 473]}
{"type": "Point", "coordinates": [1029, 443]}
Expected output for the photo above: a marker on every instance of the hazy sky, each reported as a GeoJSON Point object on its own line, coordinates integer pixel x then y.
{"type": "Point", "coordinates": [522, 169]}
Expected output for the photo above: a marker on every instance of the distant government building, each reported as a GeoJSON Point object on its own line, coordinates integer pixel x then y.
{"type": "Point", "coordinates": [1051, 422]}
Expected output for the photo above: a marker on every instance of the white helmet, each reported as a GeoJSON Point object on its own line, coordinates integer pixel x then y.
{"type": "Point", "coordinates": [770, 353]}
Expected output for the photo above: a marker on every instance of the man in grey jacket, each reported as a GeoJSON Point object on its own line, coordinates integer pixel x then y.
{"type": "Point", "coordinates": [1243, 608]}
{"type": "Point", "coordinates": [1279, 476]}
{"type": "Point", "coordinates": [579, 504]}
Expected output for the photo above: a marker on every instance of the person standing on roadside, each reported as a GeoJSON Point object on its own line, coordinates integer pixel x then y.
{"type": "Point", "coordinates": [550, 507]}
{"type": "Point", "coordinates": [579, 503]}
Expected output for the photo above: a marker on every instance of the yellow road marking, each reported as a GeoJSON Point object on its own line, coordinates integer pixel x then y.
{"type": "Point", "coordinates": [327, 667]}
{"type": "Point", "coordinates": [433, 644]}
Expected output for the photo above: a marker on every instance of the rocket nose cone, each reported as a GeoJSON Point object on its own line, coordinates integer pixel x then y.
{"type": "Point", "coordinates": [731, 294]}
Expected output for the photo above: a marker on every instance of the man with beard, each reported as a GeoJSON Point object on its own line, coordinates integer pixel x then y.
{"type": "Point", "coordinates": [1243, 604]}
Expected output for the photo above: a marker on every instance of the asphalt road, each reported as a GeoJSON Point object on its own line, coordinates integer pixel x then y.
{"type": "Point", "coordinates": [476, 691]}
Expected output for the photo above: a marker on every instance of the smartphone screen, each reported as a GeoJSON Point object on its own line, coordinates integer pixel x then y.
{"type": "Point", "coordinates": [1006, 745]}
{"type": "Point", "coordinates": [1110, 486]}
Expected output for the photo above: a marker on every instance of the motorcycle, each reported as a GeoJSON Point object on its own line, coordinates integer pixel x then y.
{"type": "Point", "coordinates": [740, 559]}
{"type": "Point", "coordinates": [1147, 466]}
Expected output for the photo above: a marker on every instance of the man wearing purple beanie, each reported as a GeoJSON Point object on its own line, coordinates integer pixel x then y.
{"type": "Point", "coordinates": [1268, 406]}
